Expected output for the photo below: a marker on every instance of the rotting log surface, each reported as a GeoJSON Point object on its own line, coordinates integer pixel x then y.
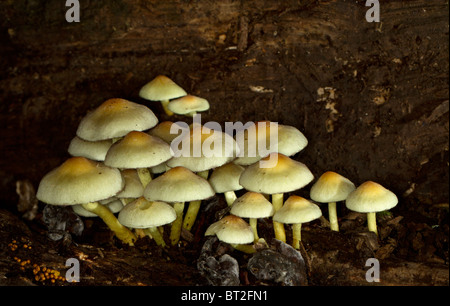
{"type": "Point", "coordinates": [372, 98]}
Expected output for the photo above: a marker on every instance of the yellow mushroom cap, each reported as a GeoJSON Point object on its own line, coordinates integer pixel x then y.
{"type": "Point", "coordinates": [371, 197]}
{"type": "Point", "coordinates": [138, 150]}
{"type": "Point", "coordinates": [79, 180]}
{"type": "Point", "coordinates": [161, 88]}
{"type": "Point", "coordinates": [231, 229]}
{"type": "Point", "coordinates": [115, 118]}
{"type": "Point", "coordinates": [331, 187]}
{"type": "Point", "coordinates": [142, 213]}
{"type": "Point", "coordinates": [226, 178]}
{"type": "Point", "coordinates": [297, 210]}
{"type": "Point", "coordinates": [252, 205]}
{"type": "Point", "coordinates": [178, 184]}
{"type": "Point", "coordinates": [285, 176]}
{"type": "Point", "coordinates": [188, 104]}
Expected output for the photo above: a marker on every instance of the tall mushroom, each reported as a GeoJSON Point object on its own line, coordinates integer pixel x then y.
{"type": "Point", "coordinates": [297, 210]}
{"type": "Point", "coordinates": [82, 181]}
{"type": "Point", "coordinates": [286, 175]}
{"type": "Point", "coordinates": [162, 89]}
{"type": "Point", "coordinates": [370, 198]}
{"type": "Point", "coordinates": [330, 188]}
{"type": "Point", "coordinates": [146, 215]}
{"type": "Point", "coordinates": [178, 185]}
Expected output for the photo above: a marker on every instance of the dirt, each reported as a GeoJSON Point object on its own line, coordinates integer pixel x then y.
{"type": "Point", "coordinates": [372, 99]}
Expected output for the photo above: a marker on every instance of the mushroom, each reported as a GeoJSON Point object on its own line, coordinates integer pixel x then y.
{"type": "Point", "coordinates": [94, 150]}
{"type": "Point", "coordinates": [188, 105]}
{"type": "Point", "coordinates": [201, 150]}
{"type": "Point", "coordinates": [133, 186]}
{"type": "Point", "coordinates": [143, 214]}
{"type": "Point", "coordinates": [82, 181]}
{"type": "Point", "coordinates": [138, 150]}
{"type": "Point", "coordinates": [225, 179]}
{"type": "Point", "coordinates": [297, 210]}
{"type": "Point", "coordinates": [264, 137]}
{"type": "Point", "coordinates": [162, 89]}
{"type": "Point", "coordinates": [114, 118]}
{"type": "Point", "coordinates": [178, 185]}
{"type": "Point", "coordinates": [370, 198]}
{"type": "Point", "coordinates": [286, 175]}
{"type": "Point", "coordinates": [233, 230]}
{"type": "Point", "coordinates": [330, 188]}
{"type": "Point", "coordinates": [252, 205]}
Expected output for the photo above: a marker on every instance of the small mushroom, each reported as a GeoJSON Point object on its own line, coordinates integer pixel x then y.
{"type": "Point", "coordinates": [286, 175]}
{"type": "Point", "coordinates": [233, 230]}
{"type": "Point", "coordinates": [114, 206]}
{"type": "Point", "coordinates": [147, 215]}
{"type": "Point", "coordinates": [370, 198]}
{"type": "Point", "coordinates": [82, 181]}
{"type": "Point", "coordinates": [330, 188]}
{"type": "Point", "coordinates": [297, 210]}
{"type": "Point", "coordinates": [188, 105]}
{"type": "Point", "coordinates": [162, 89]}
{"type": "Point", "coordinates": [225, 179]}
{"type": "Point", "coordinates": [178, 185]}
{"type": "Point", "coordinates": [94, 150]}
{"type": "Point", "coordinates": [115, 118]}
{"type": "Point", "coordinates": [252, 205]}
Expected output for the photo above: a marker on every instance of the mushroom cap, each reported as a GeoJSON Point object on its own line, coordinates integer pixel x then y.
{"type": "Point", "coordinates": [289, 141]}
{"type": "Point", "coordinates": [287, 175]}
{"type": "Point", "coordinates": [226, 178]}
{"type": "Point", "coordinates": [162, 130]}
{"type": "Point", "coordinates": [114, 206]}
{"type": "Point", "coordinates": [331, 187]}
{"type": "Point", "coordinates": [203, 149]}
{"type": "Point", "coordinates": [297, 210]}
{"type": "Point", "coordinates": [95, 150]}
{"type": "Point", "coordinates": [133, 186]}
{"type": "Point", "coordinates": [161, 88]}
{"type": "Point", "coordinates": [79, 180]}
{"type": "Point", "coordinates": [188, 104]}
{"type": "Point", "coordinates": [252, 205]}
{"type": "Point", "coordinates": [371, 197]}
{"type": "Point", "coordinates": [231, 229]}
{"type": "Point", "coordinates": [138, 150]}
{"type": "Point", "coordinates": [115, 118]}
{"type": "Point", "coordinates": [178, 184]}
{"type": "Point", "coordinates": [144, 214]}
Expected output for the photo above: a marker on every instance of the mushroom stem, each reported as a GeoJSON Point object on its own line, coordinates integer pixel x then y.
{"type": "Point", "coordinates": [254, 225]}
{"type": "Point", "coordinates": [372, 222]}
{"type": "Point", "coordinates": [144, 176]}
{"type": "Point", "coordinates": [277, 202]}
{"type": "Point", "coordinates": [230, 197]}
{"type": "Point", "coordinates": [194, 206]}
{"type": "Point", "coordinates": [332, 215]}
{"type": "Point", "coordinates": [191, 214]}
{"type": "Point", "coordinates": [165, 105]}
{"type": "Point", "coordinates": [123, 233]}
{"type": "Point", "coordinates": [246, 248]}
{"type": "Point", "coordinates": [175, 231]}
{"type": "Point", "coordinates": [296, 235]}
{"type": "Point", "coordinates": [156, 235]}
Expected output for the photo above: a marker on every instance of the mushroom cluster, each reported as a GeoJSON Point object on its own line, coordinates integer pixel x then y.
{"type": "Point", "coordinates": [123, 169]}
